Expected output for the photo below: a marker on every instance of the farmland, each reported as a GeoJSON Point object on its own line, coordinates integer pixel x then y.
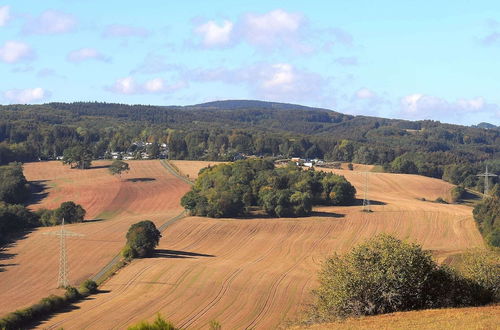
{"type": "Point", "coordinates": [148, 191]}
{"type": "Point", "coordinates": [259, 272]}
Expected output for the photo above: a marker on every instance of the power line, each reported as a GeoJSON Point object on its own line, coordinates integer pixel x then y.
{"type": "Point", "coordinates": [487, 177]}
{"type": "Point", "coordinates": [366, 201]}
{"type": "Point", "coordinates": [62, 280]}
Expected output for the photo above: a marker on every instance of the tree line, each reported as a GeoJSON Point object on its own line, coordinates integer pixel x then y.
{"type": "Point", "coordinates": [232, 190]}
{"type": "Point", "coordinates": [14, 217]}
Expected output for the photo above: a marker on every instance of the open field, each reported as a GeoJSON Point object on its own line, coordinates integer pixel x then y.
{"type": "Point", "coordinates": [259, 272]}
{"type": "Point", "coordinates": [148, 191]}
{"type": "Point", "coordinates": [190, 168]}
{"type": "Point", "coordinates": [450, 318]}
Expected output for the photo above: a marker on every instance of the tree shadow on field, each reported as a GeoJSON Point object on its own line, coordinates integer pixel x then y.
{"type": "Point", "coordinates": [359, 202]}
{"type": "Point", "coordinates": [38, 192]}
{"type": "Point", "coordinates": [140, 179]}
{"type": "Point", "coordinates": [98, 167]}
{"type": "Point", "coordinates": [324, 214]}
{"type": "Point", "coordinates": [179, 254]}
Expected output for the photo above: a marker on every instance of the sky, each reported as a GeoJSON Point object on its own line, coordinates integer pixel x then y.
{"type": "Point", "coordinates": [415, 60]}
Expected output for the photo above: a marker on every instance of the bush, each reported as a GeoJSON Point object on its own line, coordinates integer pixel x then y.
{"type": "Point", "coordinates": [441, 200]}
{"type": "Point", "coordinates": [457, 193]}
{"type": "Point", "coordinates": [142, 238]}
{"type": "Point", "coordinates": [72, 294]}
{"type": "Point", "coordinates": [158, 324]}
{"type": "Point", "coordinates": [487, 216]}
{"type": "Point", "coordinates": [89, 286]}
{"type": "Point", "coordinates": [483, 268]}
{"type": "Point", "coordinates": [386, 275]}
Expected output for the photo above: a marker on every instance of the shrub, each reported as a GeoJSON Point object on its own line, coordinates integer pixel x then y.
{"type": "Point", "coordinates": [142, 238]}
{"type": "Point", "coordinates": [483, 268]}
{"type": "Point", "coordinates": [386, 275]}
{"type": "Point", "coordinates": [441, 200]}
{"type": "Point", "coordinates": [89, 286]}
{"type": "Point", "coordinates": [457, 193]}
{"type": "Point", "coordinates": [72, 294]}
{"type": "Point", "coordinates": [158, 324]}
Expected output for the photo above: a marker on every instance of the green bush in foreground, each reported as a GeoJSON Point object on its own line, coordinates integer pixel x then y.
{"type": "Point", "coordinates": [158, 324]}
{"type": "Point", "coordinates": [385, 275]}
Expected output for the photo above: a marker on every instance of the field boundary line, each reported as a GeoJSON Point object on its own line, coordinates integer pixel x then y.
{"type": "Point", "coordinates": [172, 170]}
{"type": "Point", "coordinates": [100, 276]}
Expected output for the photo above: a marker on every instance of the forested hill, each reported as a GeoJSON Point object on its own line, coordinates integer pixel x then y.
{"type": "Point", "coordinates": [222, 129]}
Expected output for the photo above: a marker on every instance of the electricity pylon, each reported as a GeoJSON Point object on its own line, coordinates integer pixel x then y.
{"type": "Point", "coordinates": [487, 177]}
{"type": "Point", "coordinates": [62, 280]}
{"type": "Point", "coordinates": [366, 201]}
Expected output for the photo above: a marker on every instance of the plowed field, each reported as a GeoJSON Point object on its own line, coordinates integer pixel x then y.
{"type": "Point", "coordinates": [257, 273]}
{"type": "Point", "coordinates": [148, 191]}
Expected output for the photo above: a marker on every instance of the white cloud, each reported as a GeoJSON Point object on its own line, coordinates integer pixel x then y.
{"type": "Point", "coordinates": [155, 85]}
{"type": "Point", "coordinates": [84, 54]}
{"type": "Point", "coordinates": [214, 35]}
{"type": "Point", "coordinates": [268, 28]}
{"type": "Point", "coordinates": [50, 22]}
{"type": "Point", "coordinates": [14, 51]}
{"type": "Point", "coordinates": [276, 81]}
{"type": "Point", "coordinates": [4, 15]}
{"type": "Point", "coordinates": [123, 31]}
{"type": "Point", "coordinates": [274, 30]}
{"type": "Point", "coordinates": [365, 93]}
{"type": "Point", "coordinates": [24, 96]}
{"type": "Point", "coordinates": [421, 106]}
{"type": "Point", "coordinates": [129, 86]}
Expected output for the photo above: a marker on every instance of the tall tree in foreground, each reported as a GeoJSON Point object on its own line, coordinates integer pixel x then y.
{"type": "Point", "coordinates": [118, 167]}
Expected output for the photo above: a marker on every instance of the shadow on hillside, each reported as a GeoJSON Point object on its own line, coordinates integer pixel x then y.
{"type": "Point", "coordinates": [359, 201]}
{"type": "Point", "coordinates": [178, 254]}
{"type": "Point", "coordinates": [93, 220]}
{"type": "Point", "coordinates": [11, 242]}
{"type": "Point", "coordinates": [140, 179]}
{"type": "Point", "coordinates": [69, 308]}
{"type": "Point", "coordinates": [38, 192]}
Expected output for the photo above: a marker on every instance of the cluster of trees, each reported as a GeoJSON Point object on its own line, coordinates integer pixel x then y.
{"type": "Point", "coordinates": [14, 217]}
{"type": "Point", "coordinates": [231, 190]}
{"type": "Point", "coordinates": [142, 238]}
{"type": "Point", "coordinates": [78, 156]}
{"type": "Point", "coordinates": [487, 216]}
{"type": "Point", "coordinates": [387, 275]}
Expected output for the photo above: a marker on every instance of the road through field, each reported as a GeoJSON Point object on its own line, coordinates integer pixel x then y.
{"type": "Point", "coordinates": [148, 191]}
{"type": "Point", "coordinates": [258, 273]}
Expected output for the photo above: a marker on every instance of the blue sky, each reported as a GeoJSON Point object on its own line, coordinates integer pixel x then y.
{"type": "Point", "coordinates": [420, 60]}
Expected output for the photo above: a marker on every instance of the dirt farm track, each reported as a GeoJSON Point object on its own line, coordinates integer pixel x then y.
{"type": "Point", "coordinates": [245, 273]}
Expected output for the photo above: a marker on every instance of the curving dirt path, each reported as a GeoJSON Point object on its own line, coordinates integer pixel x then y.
{"type": "Point", "coordinates": [148, 191]}
{"type": "Point", "coordinates": [257, 273]}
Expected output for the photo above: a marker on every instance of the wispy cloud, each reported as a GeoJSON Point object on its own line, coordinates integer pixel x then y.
{"type": "Point", "coordinates": [420, 106]}
{"type": "Point", "coordinates": [129, 86]}
{"type": "Point", "coordinates": [347, 61]}
{"type": "Point", "coordinates": [85, 54]}
{"type": "Point", "coordinates": [16, 51]}
{"type": "Point", "coordinates": [271, 31]}
{"type": "Point", "coordinates": [24, 96]}
{"type": "Point", "coordinates": [125, 31]}
{"type": "Point", "coordinates": [4, 15]}
{"type": "Point", "coordinates": [50, 22]}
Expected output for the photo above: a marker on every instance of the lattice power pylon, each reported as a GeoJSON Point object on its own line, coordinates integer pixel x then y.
{"type": "Point", "coordinates": [366, 201]}
{"type": "Point", "coordinates": [62, 280]}
{"type": "Point", "coordinates": [487, 177]}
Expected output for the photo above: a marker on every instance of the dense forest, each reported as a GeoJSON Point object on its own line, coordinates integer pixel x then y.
{"type": "Point", "coordinates": [230, 190]}
{"type": "Point", "coordinates": [228, 130]}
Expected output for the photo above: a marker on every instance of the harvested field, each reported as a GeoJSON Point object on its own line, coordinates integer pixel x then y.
{"type": "Point", "coordinates": [257, 273]}
{"type": "Point", "coordinates": [148, 191]}
{"type": "Point", "coordinates": [190, 168]}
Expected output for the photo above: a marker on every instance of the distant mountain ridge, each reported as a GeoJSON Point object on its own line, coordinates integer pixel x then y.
{"type": "Point", "coordinates": [253, 104]}
{"type": "Point", "coordinates": [485, 125]}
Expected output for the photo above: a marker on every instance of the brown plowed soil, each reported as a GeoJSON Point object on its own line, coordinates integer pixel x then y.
{"type": "Point", "coordinates": [148, 191]}
{"type": "Point", "coordinates": [257, 273]}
